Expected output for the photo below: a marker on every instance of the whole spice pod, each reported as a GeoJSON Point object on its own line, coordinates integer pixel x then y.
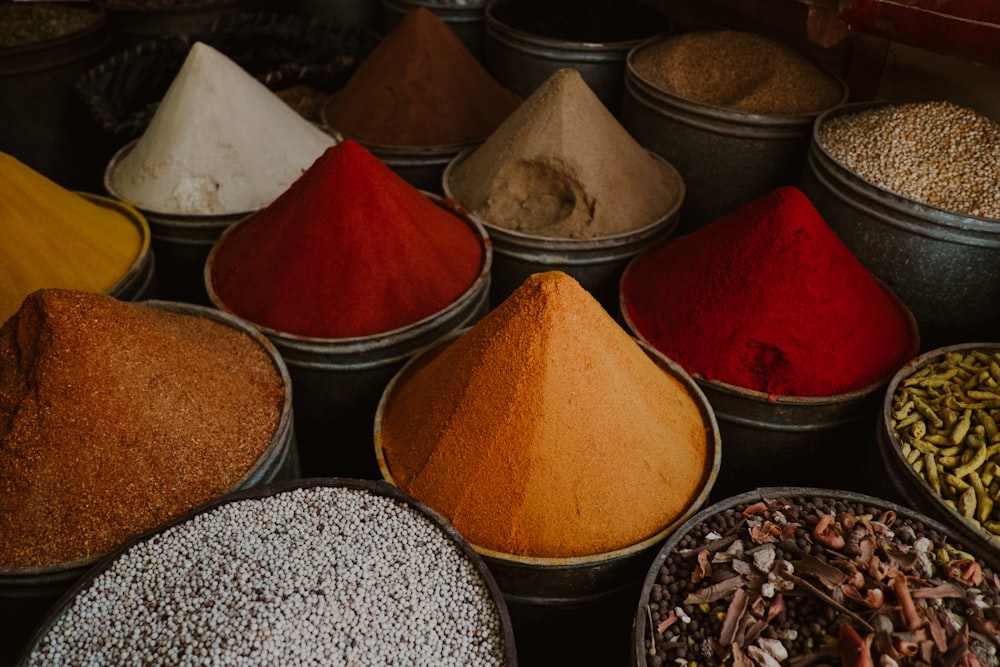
{"type": "Point", "coordinates": [938, 437]}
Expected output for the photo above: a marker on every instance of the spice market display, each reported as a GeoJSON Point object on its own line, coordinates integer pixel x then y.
{"type": "Point", "coordinates": [530, 488]}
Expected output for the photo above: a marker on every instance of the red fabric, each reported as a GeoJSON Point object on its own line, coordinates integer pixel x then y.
{"type": "Point", "coordinates": [350, 249]}
{"type": "Point", "coordinates": [768, 298]}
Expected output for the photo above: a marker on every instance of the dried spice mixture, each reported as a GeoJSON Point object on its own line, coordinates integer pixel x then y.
{"type": "Point", "coordinates": [737, 70]}
{"type": "Point", "coordinates": [117, 417]}
{"type": "Point", "coordinates": [311, 576]}
{"type": "Point", "coordinates": [936, 153]}
{"type": "Point", "coordinates": [944, 416]}
{"type": "Point", "coordinates": [810, 580]}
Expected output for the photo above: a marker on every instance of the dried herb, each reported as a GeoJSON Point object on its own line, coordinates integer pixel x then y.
{"type": "Point", "coordinates": [794, 582]}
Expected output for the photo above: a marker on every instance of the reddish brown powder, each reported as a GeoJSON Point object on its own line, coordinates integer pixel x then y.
{"type": "Point", "coordinates": [546, 431]}
{"type": "Point", "coordinates": [420, 87]}
{"type": "Point", "coordinates": [116, 417]}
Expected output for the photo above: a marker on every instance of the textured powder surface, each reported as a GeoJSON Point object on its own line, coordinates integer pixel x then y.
{"type": "Point", "coordinates": [116, 417]}
{"type": "Point", "coordinates": [737, 70]}
{"type": "Point", "coordinates": [546, 431]}
{"type": "Point", "coordinates": [563, 166]}
{"type": "Point", "coordinates": [420, 87]}
{"type": "Point", "coordinates": [351, 249]}
{"type": "Point", "coordinates": [768, 298]}
{"type": "Point", "coordinates": [52, 237]}
{"type": "Point", "coordinates": [219, 143]}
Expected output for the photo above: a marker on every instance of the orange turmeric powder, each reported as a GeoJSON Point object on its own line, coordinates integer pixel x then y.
{"type": "Point", "coordinates": [545, 430]}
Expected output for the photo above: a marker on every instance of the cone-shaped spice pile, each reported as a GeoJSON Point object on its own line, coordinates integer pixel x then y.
{"type": "Point", "coordinates": [351, 249]}
{"type": "Point", "coordinates": [55, 238]}
{"type": "Point", "coordinates": [563, 166]}
{"type": "Point", "coordinates": [546, 430]}
{"type": "Point", "coordinates": [219, 143]}
{"type": "Point", "coordinates": [768, 298]}
{"type": "Point", "coordinates": [420, 87]}
{"type": "Point", "coordinates": [117, 417]}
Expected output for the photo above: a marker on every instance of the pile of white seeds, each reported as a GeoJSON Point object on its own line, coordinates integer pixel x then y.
{"type": "Point", "coordinates": [935, 153]}
{"type": "Point", "coordinates": [317, 576]}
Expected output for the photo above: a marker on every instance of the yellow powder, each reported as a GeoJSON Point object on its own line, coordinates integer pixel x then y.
{"type": "Point", "coordinates": [53, 237]}
{"type": "Point", "coordinates": [546, 431]}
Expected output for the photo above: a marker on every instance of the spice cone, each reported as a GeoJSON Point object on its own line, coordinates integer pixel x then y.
{"type": "Point", "coordinates": [562, 166]}
{"type": "Point", "coordinates": [220, 143]}
{"type": "Point", "coordinates": [546, 430]}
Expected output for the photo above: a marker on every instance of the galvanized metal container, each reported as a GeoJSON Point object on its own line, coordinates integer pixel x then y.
{"type": "Point", "coordinates": [44, 126]}
{"type": "Point", "coordinates": [181, 243]}
{"type": "Point", "coordinates": [797, 440]}
{"type": "Point", "coordinates": [141, 280]}
{"type": "Point", "coordinates": [727, 157]}
{"type": "Point", "coordinates": [597, 264]}
{"type": "Point", "coordinates": [26, 593]}
{"type": "Point", "coordinates": [941, 264]}
{"type": "Point", "coordinates": [541, 590]}
{"type": "Point", "coordinates": [910, 485]}
{"type": "Point", "coordinates": [78, 584]}
{"type": "Point", "coordinates": [523, 61]}
{"type": "Point", "coordinates": [641, 629]}
{"type": "Point", "coordinates": [466, 18]}
{"type": "Point", "coordinates": [133, 22]}
{"type": "Point", "coordinates": [338, 381]}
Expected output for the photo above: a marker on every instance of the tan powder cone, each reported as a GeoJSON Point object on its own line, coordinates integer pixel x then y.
{"type": "Point", "coordinates": [545, 430]}
{"type": "Point", "coordinates": [562, 166]}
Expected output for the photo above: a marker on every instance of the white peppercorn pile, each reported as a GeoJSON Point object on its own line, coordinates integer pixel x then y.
{"type": "Point", "coordinates": [936, 153]}
{"type": "Point", "coordinates": [312, 576]}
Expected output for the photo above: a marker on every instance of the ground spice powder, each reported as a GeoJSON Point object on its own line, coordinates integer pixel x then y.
{"type": "Point", "coordinates": [545, 430]}
{"type": "Point", "coordinates": [535, 174]}
{"type": "Point", "coordinates": [768, 298]}
{"type": "Point", "coordinates": [219, 143]}
{"type": "Point", "coordinates": [116, 417]}
{"type": "Point", "coordinates": [53, 237]}
{"type": "Point", "coordinates": [737, 70]}
{"type": "Point", "coordinates": [420, 87]}
{"type": "Point", "coordinates": [351, 249]}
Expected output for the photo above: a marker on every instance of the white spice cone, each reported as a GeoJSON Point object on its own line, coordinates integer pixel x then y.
{"type": "Point", "coordinates": [220, 143]}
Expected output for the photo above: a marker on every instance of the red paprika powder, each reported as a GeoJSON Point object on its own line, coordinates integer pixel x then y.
{"type": "Point", "coordinates": [768, 298]}
{"type": "Point", "coordinates": [350, 249]}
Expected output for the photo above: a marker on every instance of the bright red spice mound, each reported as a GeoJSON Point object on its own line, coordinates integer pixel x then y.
{"type": "Point", "coordinates": [350, 249]}
{"type": "Point", "coordinates": [768, 298]}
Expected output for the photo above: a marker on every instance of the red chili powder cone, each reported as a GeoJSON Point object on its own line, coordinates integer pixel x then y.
{"type": "Point", "coordinates": [768, 298]}
{"type": "Point", "coordinates": [420, 87]}
{"type": "Point", "coordinates": [350, 249]}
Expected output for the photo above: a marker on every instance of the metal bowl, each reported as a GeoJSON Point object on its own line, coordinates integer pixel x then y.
{"type": "Point", "coordinates": [727, 157]}
{"type": "Point", "coordinates": [941, 264]}
{"type": "Point", "coordinates": [338, 381]}
{"type": "Point", "coordinates": [596, 263]}
{"type": "Point", "coordinates": [906, 481]}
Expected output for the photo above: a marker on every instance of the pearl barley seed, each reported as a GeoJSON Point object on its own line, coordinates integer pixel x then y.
{"type": "Point", "coordinates": [936, 153]}
{"type": "Point", "coordinates": [324, 575]}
